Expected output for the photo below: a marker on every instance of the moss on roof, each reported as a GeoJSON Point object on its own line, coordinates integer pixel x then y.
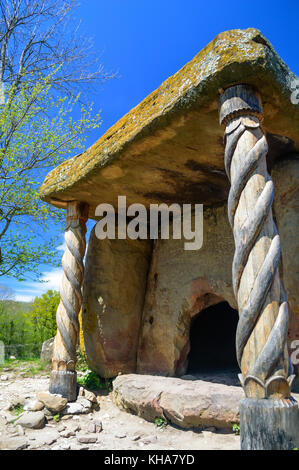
{"type": "Point", "coordinates": [165, 119]}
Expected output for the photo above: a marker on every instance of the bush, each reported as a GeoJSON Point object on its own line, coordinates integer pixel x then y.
{"type": "Point", "coordinates": [24, 326]}
{"type": "Point", "coordinates": [95, 382]}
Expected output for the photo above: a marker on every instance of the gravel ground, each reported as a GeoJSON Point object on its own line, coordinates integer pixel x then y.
{"type": "Point", "coordinates": [121, 431]}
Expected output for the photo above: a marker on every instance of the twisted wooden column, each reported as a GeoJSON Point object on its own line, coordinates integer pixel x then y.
{"type": "Point", "coordinates": [263, 310]}
{"type": "Point", "coordinates": [63, 376]}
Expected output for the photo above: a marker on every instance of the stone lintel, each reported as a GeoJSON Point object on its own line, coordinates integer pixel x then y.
{"type": "Point", "coordinates": [169, 148]}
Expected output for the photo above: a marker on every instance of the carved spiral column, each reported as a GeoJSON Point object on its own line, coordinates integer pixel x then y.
{"type": "Point", "coordinates": [263, 310]}
{"type": "Point", "coordinates": [63, 376]}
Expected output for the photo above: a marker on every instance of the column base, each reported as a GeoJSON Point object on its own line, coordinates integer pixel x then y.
{"type": "Point", "coordinates": [267, 424]}
{"type": "Point", "coordinates": [64, 383]}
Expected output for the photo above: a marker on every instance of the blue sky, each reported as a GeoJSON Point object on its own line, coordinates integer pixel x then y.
{"type": "Point", "coordinates": [147, 41]}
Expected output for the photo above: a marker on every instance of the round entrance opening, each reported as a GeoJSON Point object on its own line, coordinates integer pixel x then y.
{"type": "Point", "coordinates": [212, 340]}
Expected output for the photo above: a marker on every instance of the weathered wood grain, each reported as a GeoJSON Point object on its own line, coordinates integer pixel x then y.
{"type": "Point", "coordinates": [63, 375]}
{"type": "Point", "coordinates": [268, 415]}
{"type": "Point", "coordinates": [269, 424]}
{"type": "Point", "coordinates": [262, 328]}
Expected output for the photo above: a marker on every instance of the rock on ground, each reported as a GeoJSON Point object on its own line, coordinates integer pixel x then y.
{"type": "Point", "coordinates": [87, 438]}
{"type": "Point", "coordinates": [13, 443]}
{"type": "Point", "coordinates": [32, 420]}
{"type": "Point", "coordinates": [186, 403]}
{"type": "Point", "coordinates": [45, 438]}
{"type": "Point", "coordinates": [47, 350]}
{"type": "Point", "coordinates": [54, 403]}
{"type": "Point", "coordinates": [80, 406]}
{"type": "Point", "coordinates": [34, 405]}
{"type": "Point", "coordinates": [140, 434]}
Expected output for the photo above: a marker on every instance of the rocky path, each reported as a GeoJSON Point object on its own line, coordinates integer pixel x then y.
{"type": "Point", "coordinates": [106, 427]}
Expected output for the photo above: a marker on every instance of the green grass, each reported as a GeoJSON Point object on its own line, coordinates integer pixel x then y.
{"type": "Point", "coordinates": [29, 367]}
{"type": "Point", "coordinates": [91, 379]}
{"type": "Point", "coordinates": [94, 382]}
{"type": "Point", "coordinates": [81, 365]}
{"type": "Point", "coordinates": [8, 363]}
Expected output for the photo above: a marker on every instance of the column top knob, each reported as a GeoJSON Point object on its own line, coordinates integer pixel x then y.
{"type": "Point", "coordinates": [239, 100]}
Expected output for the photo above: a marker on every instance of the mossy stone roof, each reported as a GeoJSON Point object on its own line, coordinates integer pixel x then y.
{"type": "Point", "coordinates": [169, 148]}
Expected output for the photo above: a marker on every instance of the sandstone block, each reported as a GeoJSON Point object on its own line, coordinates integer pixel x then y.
{"type": "Point", "coordinates": [113, 296]}
{"type": "Point", "coordinates": [185, 403]}
{"type": "Point", "coordinates": [54, 403]}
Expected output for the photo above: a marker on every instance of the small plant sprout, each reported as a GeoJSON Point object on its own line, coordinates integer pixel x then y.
{"type": "Point", "coordinates": [160, 422]}
{"type": "Point", "coordinates": [236, 429]}
{"type": "Point", "coordinates": [18, 409]}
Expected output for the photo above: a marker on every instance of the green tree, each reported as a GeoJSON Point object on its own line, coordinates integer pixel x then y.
{"type": "Point", "coordinates": [42, 316]}
{"type": "Point", "coordinates": [36, 131]}
{"type": "Point", "coordinates": [44, 64]}
{"type": "Point", "coordinates": [15, 330]}
{"type": "Point", "coordinates": [23, 328]}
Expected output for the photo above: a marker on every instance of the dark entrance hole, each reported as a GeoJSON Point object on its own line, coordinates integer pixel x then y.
{"type": "Point", "coordinates": [212, 340]}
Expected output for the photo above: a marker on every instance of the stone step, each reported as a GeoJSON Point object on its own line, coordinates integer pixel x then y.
{"type": "Point", "coordinates": [185, 403]}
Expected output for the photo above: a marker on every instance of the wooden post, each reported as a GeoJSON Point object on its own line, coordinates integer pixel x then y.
{"type": "Point", "coordinates": [63, 379]}
{"type": "Point", "coordinates": [269, 415]}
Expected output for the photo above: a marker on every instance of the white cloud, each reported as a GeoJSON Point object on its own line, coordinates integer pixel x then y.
{"type": "Point", "coordinates": [30, 290]}
{"type": "Point", "coordinates": [23, 298]}
{"type": "Point", "coordinates": [51, 279]}
{"type": "Point", "coordinates": [61, 247]}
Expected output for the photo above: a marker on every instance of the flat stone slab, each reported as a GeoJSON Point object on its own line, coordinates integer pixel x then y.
{"type": "Point", "coordinates": [13, 443]}
{"type": "Point", "coordinates": [169, 148]}
{"type": "Point", "coordinates": [185, 403]}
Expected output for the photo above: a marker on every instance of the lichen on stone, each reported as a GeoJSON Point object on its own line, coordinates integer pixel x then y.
{"type": "Point", "coordinates": [237, 56]}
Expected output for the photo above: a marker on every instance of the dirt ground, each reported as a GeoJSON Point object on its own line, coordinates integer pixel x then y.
{"type": "Point", "coordinates": [121, 431]}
